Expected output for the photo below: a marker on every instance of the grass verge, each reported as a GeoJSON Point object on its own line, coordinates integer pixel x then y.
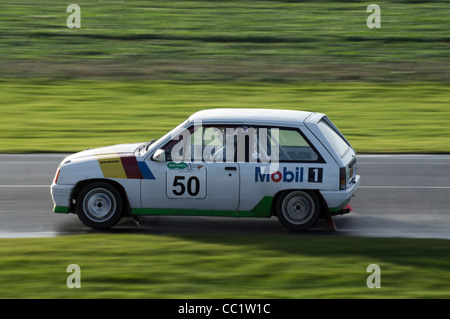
{"type": "Point", "coordinates": [196, 266]}
{"type": "Point", "coordinates": [227, 40]}
{"type": "Point", "coordinates": [67, 116]}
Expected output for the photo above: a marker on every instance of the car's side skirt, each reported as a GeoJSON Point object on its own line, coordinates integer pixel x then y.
{"type": "Point", "coordinates": [262, 209]}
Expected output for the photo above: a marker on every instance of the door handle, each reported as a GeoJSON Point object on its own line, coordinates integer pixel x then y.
{"type": "Point", "coordinates": [230, 168]}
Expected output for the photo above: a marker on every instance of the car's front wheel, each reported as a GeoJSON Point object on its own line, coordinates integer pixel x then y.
{"type": "Point", "coordinates": [298, 210]}
{"type": "Point", "coordinates": [99, 205]}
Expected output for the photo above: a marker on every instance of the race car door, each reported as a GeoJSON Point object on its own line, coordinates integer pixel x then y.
{"type": "Point", "coordinates": [201, 180]}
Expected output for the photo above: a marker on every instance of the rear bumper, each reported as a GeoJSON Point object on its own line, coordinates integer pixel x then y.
{"type": "Point", "coordinates": [337, 200]}
{"type": "Point", "coordinates": [61, 197]}
{"type": "Point", "coordinates": [341, 211]}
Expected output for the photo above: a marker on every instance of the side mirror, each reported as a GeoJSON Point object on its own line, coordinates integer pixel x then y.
{"type": "Point", "coordinates": [159, 156]}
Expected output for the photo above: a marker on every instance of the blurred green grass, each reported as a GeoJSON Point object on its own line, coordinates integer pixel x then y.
{"type": "Point", "coordinates": [128, 74]}
{"type": "Point", "coordinates": [67, 116]}
{"type": "Point", "coordinates": [227, 40]}
{"type": "Point", "coordinates": [215, 266]}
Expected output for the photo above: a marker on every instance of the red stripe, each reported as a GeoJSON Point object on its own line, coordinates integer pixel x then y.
{"type": "Point", "coordinates": [131, 167]}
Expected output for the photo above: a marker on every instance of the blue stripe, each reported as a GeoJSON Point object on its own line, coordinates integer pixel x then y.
{"type": "Point", "coordinates": [145, 171]}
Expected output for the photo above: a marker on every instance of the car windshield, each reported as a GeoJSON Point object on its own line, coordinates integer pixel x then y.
{"type": "Point", "coordinates": [339, 145]}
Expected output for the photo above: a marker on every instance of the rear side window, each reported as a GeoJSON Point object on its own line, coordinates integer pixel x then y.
{"type": "Point", "coordinates": [294, 147]}
{"type": "Point", "coordinates": [282, 144]}
{"type": "Point", "coordinates": [339, 145]}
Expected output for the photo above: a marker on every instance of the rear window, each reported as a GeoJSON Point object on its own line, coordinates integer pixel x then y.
{"type": "Point", "coordinates": [339, 145]}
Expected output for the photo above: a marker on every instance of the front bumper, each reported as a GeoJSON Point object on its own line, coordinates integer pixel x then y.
{"type": "Point", "coordinates": [61, 197]}
{"type": "Point", "coordinates": [337, 200]}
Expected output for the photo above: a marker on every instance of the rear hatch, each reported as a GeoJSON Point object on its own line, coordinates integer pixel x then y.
{"type": "Point", "coordinates": [344, 152]}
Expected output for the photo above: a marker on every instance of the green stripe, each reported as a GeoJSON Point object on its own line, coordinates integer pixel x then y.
{"type": "Point", "coordinates": [262, 209]}
{"type": "Point", "coordinates": [61, 209]}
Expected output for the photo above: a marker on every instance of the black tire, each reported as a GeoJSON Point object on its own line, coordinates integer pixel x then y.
{"type": "Point", "coordinates": [298, 210]}
{"type": "Point", "coordinates": [99, 205]}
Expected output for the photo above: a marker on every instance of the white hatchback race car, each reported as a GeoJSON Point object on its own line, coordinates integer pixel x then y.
{"type": "Point", "coordinates": [222, 162]}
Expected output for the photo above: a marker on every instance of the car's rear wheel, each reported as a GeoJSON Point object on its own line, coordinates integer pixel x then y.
{"type": "Point", "coordinates": [298, 210]}
{"type": "Point", "coordinates": [99, 205]}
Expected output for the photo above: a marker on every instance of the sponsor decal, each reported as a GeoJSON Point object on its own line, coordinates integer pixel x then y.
{"type": "Point", "coordinates": [173, 165]}
{"type": "Point", "coordinates": [124, 166]}
{"type": "Point", "coordinates": [285, 175]}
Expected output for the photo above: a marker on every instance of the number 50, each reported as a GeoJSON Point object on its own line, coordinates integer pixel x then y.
{"type": "Point", "coordinates": [192, 186]}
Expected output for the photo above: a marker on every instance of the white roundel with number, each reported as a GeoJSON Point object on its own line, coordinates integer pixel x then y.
{"type": "Point", "coordinates": [188, 183]}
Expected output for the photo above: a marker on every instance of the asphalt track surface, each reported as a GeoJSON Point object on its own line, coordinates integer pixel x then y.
{"type": "Point", "coordinates": [399, 196]}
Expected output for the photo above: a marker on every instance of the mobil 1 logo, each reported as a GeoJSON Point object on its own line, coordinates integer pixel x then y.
{"type": "Point", "coordinates": [315, 174]}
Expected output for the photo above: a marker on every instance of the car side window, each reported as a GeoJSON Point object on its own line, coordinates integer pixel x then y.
{"type": "Point", "coordinates": [219, 143]}
{"type": "Point", "coordinates": [284, 145]}
{"type": "Point", "coordinates": [203, 143]}
{"type": "Point", "coordinates": [294, 147]}
{"type": "Point", "coordinates": [180, 145]}
{"type": "Point", "coordinates": [241, 144]}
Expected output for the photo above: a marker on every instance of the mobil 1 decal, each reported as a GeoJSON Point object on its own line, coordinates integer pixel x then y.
{"type": "Point", "coordinates": [315, 174]}
{"type": "Point", "coordinates": [291, 175]}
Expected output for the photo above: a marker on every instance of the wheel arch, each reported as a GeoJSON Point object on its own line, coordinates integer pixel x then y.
{"type": "Point", "coordinates": [81, 184]}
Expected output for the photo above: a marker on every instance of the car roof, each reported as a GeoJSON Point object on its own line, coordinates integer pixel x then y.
{"type": "Point", "coordinates": [237, 115]}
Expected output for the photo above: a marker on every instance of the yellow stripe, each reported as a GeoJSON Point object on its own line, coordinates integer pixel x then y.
{"type": "Point", "coordinates": [111, 166]}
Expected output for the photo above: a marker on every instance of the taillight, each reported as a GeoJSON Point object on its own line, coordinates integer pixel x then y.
{"type": "Point", "coordinates": [56, 176]}
{"type": "Point", "coordinates": [342, 178]}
